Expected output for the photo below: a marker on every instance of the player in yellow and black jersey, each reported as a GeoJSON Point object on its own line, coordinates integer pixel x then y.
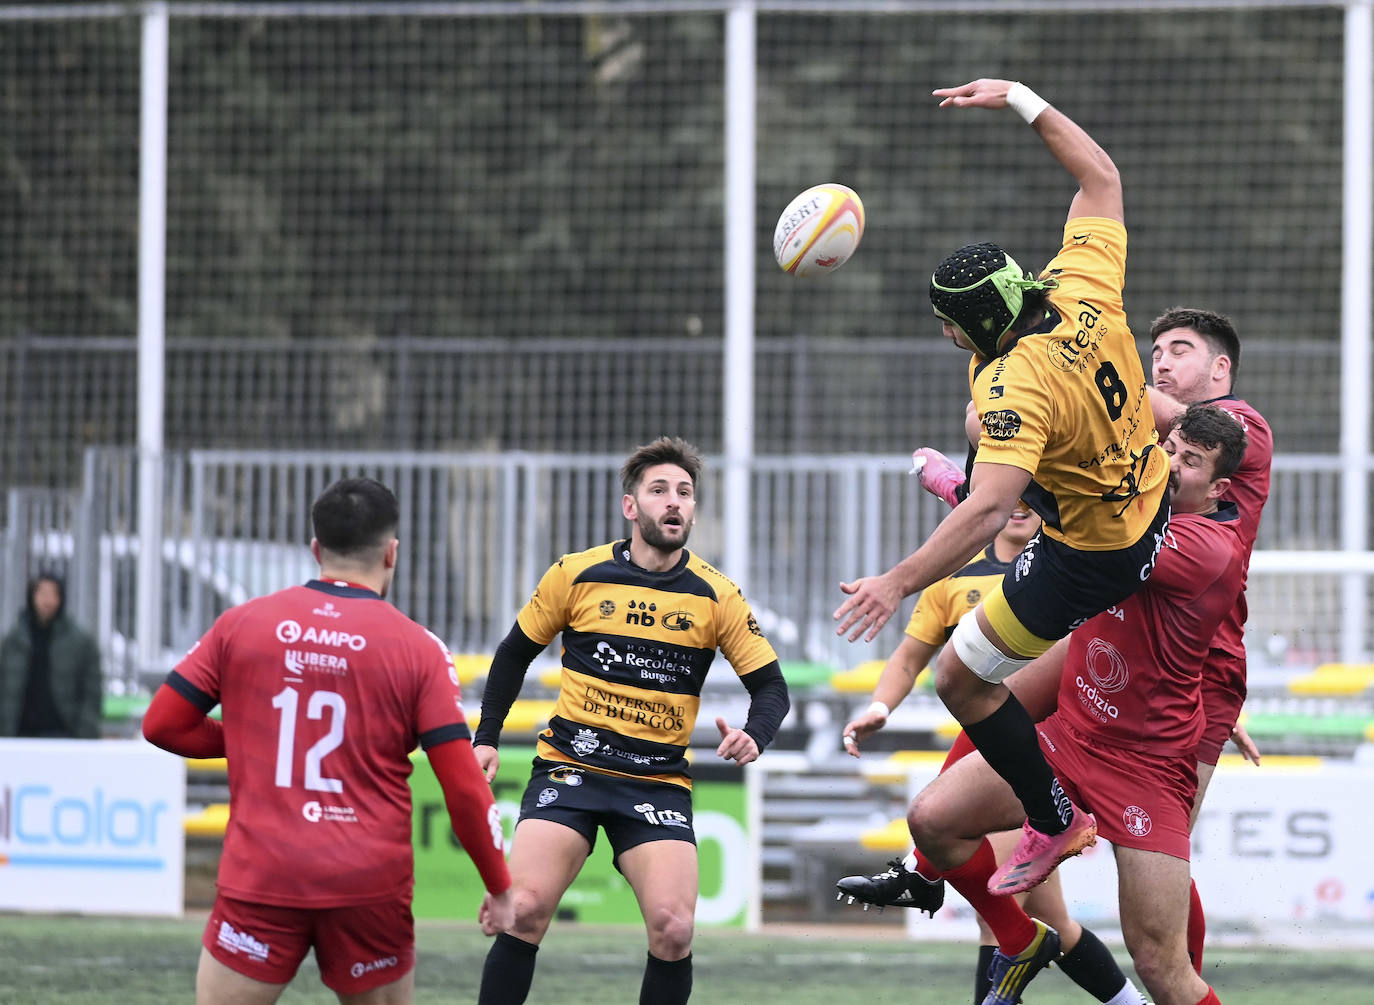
{"type": "Point", "coordinates": [1065, 423]}
{"type": "Point", "coordinates": [642, 620]}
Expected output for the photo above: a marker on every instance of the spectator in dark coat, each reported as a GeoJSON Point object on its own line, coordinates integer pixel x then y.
{"type": "Point", "coordinates": [50, 681]}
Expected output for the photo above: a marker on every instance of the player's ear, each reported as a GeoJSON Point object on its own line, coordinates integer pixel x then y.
{"type": "Point", "coordinates": [393, 547]}
{"type": "Point", "coordinates": [315, 550]}
{"type": "Point", "coordinates": [1219, 487]}
{"type": "Point", "coordinates": [627, 506]}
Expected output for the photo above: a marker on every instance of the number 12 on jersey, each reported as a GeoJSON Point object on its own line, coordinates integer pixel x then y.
{"type": "Point", "coordinates": [287, 703]}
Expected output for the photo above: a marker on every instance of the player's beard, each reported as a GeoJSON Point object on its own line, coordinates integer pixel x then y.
{"type": "Point", "coordinates": [657, 538]}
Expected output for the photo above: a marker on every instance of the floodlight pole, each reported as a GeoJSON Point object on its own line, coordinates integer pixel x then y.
{"type": "Point", "coordinates": [152, 260]}
{"type": "Point", "coordinates": [738, 364]}
{"type": "Point", "coordinates": [1357, 242]}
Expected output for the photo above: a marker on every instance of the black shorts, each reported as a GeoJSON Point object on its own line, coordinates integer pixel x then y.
{"type": "Point", "coordinates": [1052, 588]}
{"type": "Point", "coordinates": [632, 811]}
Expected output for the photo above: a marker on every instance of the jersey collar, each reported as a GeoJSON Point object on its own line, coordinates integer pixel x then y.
{"type": "Point", "coordinates": [343, 588]}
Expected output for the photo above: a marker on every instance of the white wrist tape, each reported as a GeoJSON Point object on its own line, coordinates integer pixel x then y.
{"type": "Point", "coordinates": [1025, 102]}
{"type": "Point", "coordinates": [880, 709]}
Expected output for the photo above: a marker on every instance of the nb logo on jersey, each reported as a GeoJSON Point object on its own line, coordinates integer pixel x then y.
{"type": "Point", "coordinates": [639, 614]}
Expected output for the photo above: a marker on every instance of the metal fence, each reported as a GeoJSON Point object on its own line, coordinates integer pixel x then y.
{"type": "Point", "coordinates": [489, 245]}
{"type": "Point", "coordinates": [479, 529]}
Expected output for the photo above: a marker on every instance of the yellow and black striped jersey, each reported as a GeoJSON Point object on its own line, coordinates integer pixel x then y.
{"type": "Point", "coordinates": [636, 649]}
{"type": "Point", "coordinates": [1067, 402]}
{"type": "Point", "coordinates": [945, 601]}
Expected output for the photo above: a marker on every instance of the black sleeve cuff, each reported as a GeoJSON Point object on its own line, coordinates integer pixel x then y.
{"type": "Point", "coordinates": [190, 692]}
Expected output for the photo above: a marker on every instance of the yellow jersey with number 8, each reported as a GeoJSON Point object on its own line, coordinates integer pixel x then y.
{"type": "Point", "coordinates": [1067, 402]}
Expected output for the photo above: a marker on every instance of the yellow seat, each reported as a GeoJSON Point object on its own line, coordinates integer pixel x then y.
{"type": "Point", "coordinates": [207, 764]}
{"type": "Point", "coordinates": [895, 837]}
{"type": "Point", "coordinates": [949, 729]}
{"type": "Point", "coordinates": [860, 680]}
{"type": "Point", "coordinates": [527, 715]}
{"type": "Point", "coordinates": [471, 667]}
{"type": "Point", "coordinates": [1334, 680]}
{"type": "Point", "coordinates": [209, 822]}
{"type": "Point", "coordinates": [909, 757]}
{"type": "Point", "coordinates": [552, 677]}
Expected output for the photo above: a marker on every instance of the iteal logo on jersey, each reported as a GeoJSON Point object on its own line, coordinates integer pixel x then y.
{"type": "Point", "coordinates": [640, 613]}
{"type": "Point", "coordinates": [289, 631]}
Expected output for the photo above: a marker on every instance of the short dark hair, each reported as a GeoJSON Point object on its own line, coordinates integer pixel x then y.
{"type": "Point", "coordinates": [1216, 330]}
{"type": "Point", "coordinates": [1210, 426]}
{"type": "Point", "coordinates": [664, 450]}
{"type": "Point", "coordinates": [354, 516]}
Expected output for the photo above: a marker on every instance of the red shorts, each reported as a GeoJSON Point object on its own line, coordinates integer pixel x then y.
{"type": "Point", "coordinates": [1140, 801]}
{"type": "Point", "coordinates": [358, 948]}
{"type": "Point", "coordinates": [1223, 693]}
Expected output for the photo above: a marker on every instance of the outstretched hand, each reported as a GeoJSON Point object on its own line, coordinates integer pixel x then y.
{"type": "Point", "coordinates": [982, 93]}
{"type": "Point", "coordinates": [872, 600]}
{"type": "Point", "coordinates": [861, 728]}
{"type": "Point", "coordinates": [735, 744]}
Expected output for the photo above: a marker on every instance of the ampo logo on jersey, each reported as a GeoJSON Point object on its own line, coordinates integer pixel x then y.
{"type": "Point", "coordinates": [291, 632]}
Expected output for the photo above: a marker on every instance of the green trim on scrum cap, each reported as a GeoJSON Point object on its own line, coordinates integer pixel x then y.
{"type": "Point", "coordinates": [985, 309]}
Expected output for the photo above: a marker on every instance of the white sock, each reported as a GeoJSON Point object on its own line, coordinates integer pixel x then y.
{"type": "Point", "coordinates": [909, 863]}
{"type": "Point", "coordinates": [1128, 995]}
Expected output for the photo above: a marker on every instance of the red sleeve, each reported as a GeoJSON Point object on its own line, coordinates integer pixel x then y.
{"type": "Point", "coordinates": [1189, 558]}
{"type": "Point", "coordinates": [174, 723]}
{"type": "Point", "coordinates": [472, 810]}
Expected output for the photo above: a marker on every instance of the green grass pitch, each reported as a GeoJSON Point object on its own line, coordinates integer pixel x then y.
{"type": "Point", "coordinates": [47, 960]}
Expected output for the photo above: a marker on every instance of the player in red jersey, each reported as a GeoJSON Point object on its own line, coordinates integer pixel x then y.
{"type": "Point", "coordinates": [1084, 960]}
{"type": "Point", "coordinates": [1124, 737]}
{"type": "Point", "coordinates": [1196, 354]}
{"type": "Point", "coordinates": [325, 690]}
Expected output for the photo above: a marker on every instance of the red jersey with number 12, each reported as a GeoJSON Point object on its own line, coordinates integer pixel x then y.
{"type": "Point", "coordinates": [1133, 672]}
{"type": "Point", "coordinates": [325, 689]}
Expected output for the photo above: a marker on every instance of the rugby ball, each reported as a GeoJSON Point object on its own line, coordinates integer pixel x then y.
{"type": "Point", "coordinates": [819, 230]}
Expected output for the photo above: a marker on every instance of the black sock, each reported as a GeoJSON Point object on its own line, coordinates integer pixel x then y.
{"type": "Point", "coordinates": [508, 971]}
{"type": "Point", "coordinates": [666, 982]}
{"type": "Point", "coordinates": [1006, 739]}
{"type": "Point", "coordinates": [981, 984]}
{"type": "Point", "coordinates": [1091, 966]}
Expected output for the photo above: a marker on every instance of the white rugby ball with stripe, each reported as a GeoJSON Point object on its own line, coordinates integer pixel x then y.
{"type": "Point", "coordinates": [819, 230]}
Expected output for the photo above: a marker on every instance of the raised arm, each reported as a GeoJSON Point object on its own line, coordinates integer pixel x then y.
{"type": "Point", "coordinates": [963, 533]}
{"type": "Point", "coordinates": [1099, 183]}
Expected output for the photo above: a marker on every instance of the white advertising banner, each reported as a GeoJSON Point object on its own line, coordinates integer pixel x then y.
{"type": "Point", "coordinates": [93, 826]}
{"type": "Point", "coordinates": [1280, 855]}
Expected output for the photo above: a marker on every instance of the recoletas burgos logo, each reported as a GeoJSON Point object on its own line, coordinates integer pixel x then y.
{"type": "Point", "coordinates": [606, 655]}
